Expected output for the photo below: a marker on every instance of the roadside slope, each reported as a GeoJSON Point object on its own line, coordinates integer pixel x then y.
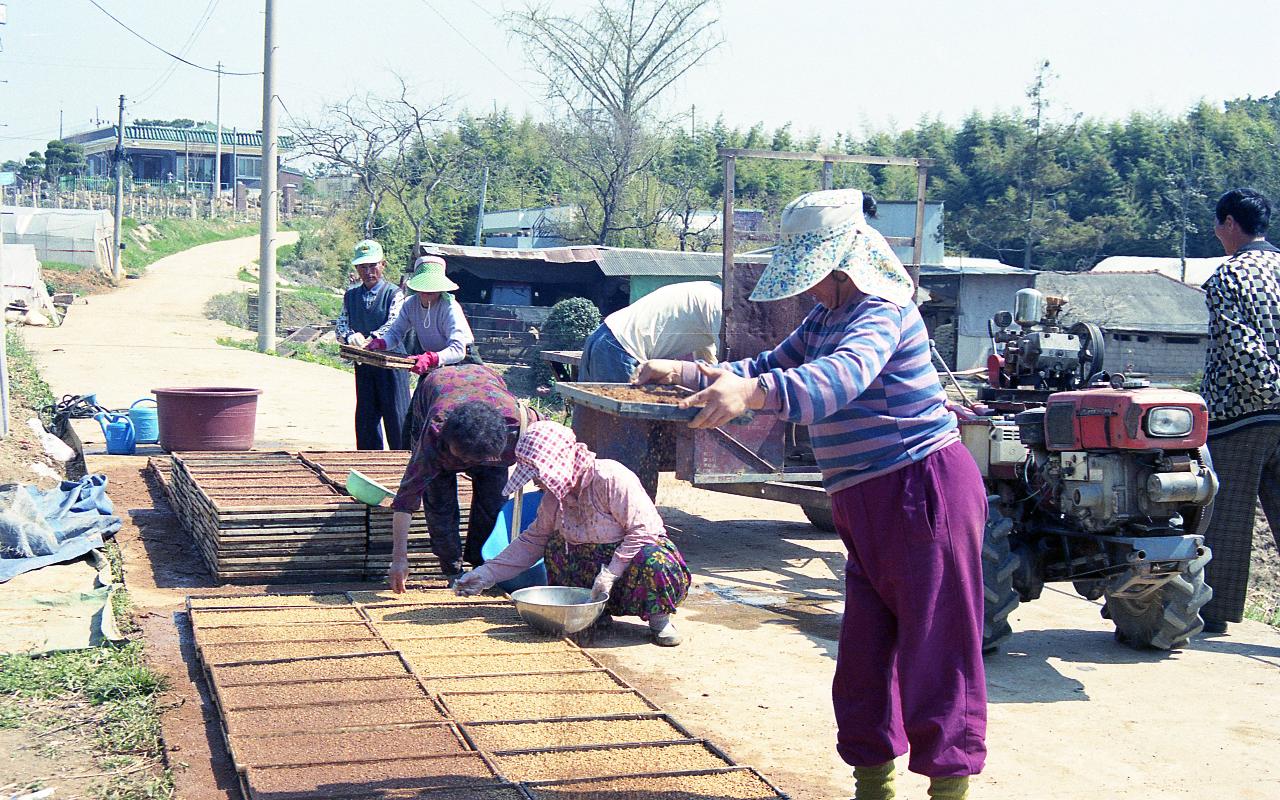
{"type": "Point", "coordinates": [152, 333]}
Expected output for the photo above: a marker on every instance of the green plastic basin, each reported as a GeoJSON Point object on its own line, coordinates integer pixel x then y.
{"type": "Point", "coordinates": [365, 489]}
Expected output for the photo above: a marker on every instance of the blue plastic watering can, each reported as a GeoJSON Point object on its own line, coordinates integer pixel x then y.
{"type": "Point", "coordinates": [146, 421]}
{"type": "Point", "coordinates": [118, 430]}
{"type": "Point", "coordinates": [502, 536]}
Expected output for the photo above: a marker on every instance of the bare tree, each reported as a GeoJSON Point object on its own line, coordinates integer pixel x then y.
{"type": "Point", "coordinates": [608, 69]}
{"type": "Point", "coordinates": [372, 137]}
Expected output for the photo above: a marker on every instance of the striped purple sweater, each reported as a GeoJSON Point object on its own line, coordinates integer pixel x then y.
{"type": "Point", "coordinates": [861, 378]}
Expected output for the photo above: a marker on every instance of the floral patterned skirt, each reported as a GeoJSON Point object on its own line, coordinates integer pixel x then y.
{"type": "Point", "coordinates": [655, 582]}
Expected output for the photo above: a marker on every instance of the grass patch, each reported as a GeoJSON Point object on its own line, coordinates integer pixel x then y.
{"type": "Point", "coordinates": [323, 353]}
{"type": "Point", "coordinates": [245, 275]}
{"type": "Point", "coordinates": [307, 305]}
{"type": "Point", "coordinates": [147, 244]}
{"type": "Point", "coordinates": [1266, 613]}
{"type": "Point", "coordinates": [24, 379]}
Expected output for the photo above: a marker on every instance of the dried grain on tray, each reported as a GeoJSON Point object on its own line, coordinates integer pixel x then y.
{"type": "Point", "coordinates": [441, 666]}
{"type": "Point", "coordinates": [542, 705]}
{"type": "Point", "coordinates": [318, 748]}
{"type": "Point", "coordinates": [310, 669]}
{"type": "Point", "coordinates": [263, 651]}
{"type": "Point", "coordinates": [554, 765]}
{"type": "Point", "coordinates": [270, 601]}
{"type": "Point", "coordinates": [572, 733]}
{"type": "Point", "coordinates": [492, 644]}
{"type": "Point", "coordinates": [662, 395]}
{"type": "Point", "coordinates": [444, 614]}
{"type": "Point", "coordinates": [296, 694]}
{"type": "Point", "coordinates": [534, 682]}
{"type": "Point", "coordinates": [216, 618]}
{"type": "Point", "coordinates": [370, 777]}
{"type": "Point", "coordinates": [414, 597]}
{"type": "Point", "coordinates": [738, 784]}
{"type": "Point", "coordinates": [286, 633]}
{"type": "Point", "coordinates": [428, 628]}
{"type": "Point", "coordinates": [323, 717]}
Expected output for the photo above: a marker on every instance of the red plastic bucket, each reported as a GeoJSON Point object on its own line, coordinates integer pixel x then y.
{"type": "Point", "coordinates": [207, 417]}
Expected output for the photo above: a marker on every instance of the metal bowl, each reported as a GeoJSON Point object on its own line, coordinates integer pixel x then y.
{"type": "Point", "coordinates": [558, 610]}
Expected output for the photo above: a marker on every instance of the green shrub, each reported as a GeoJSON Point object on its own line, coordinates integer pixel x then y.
{"type": "Point", "coordinates": [570, 323]}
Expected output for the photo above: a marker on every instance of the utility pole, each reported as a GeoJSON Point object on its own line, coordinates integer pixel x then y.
{"type": "Point", "coordinates": [59, 123]}
{"type": "Point", "coordinates": [117, 265]}
{"type": "Point", "coordinates": [267, 247]}
{"type": "Point", "coordinates": [484, 192]}
{"type": "Point", "coordinates": [217, 152]}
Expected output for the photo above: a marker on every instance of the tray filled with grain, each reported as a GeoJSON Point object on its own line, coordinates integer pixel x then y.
{"type": "Point", "coordinates": [220, 654]}
{"type": "Point", "coordinates": [251, 601]}
{"type": "Point", "coordinates": [296, 749]}
{"type": "Point", "coordinates": [419, 596]}
{"type": "Point", "coordinates": [648, 729]}
{"type": "Point", "coordinates": [286, 632]}
{"type": "Point", "coordinates": [331, 717]}
{"type": "Point", "coordinates": [736, 783]}
{"type": "Point", "coordinates": [600, 761]}
{"type": "Point", "coordinates": [360, 778]}
{"type": "Point", "coordinates": [237, 698]}
{"type": "Point", "coordinates": [488, 644]}
{"type": "Point", "coordinates": [466, 665]}
{"type": "Point", "coordinates": [203, 619]}
{"type": "Point", "coordinates": [528, 681]}
{"type": "Point", "coordinates": [318, 668]}
{"type": "Point", "coordinates": [487, 706]}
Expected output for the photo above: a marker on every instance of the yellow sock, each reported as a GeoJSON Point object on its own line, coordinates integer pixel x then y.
{"type": "Point", "coordinates": [949, 788]}
{"type": "Point", "coordinates": [873, 783]}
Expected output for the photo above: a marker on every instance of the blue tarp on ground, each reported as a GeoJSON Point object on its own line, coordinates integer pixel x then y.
{"type": "Point", "coordinates": [39, 527]}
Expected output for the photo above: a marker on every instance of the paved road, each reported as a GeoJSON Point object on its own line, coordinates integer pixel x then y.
{"type": "Point", "coordinates": [153, 333]}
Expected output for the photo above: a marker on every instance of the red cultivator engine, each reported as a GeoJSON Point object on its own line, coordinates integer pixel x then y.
{"type": "Point", "coordinates": [1096, 479]}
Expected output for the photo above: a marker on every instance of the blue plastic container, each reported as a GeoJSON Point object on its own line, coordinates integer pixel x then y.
{"type": "Point", "coordinates": [146, 421]}
{"type": "Point", "coordinates": [501, 537]}
{"type": "Point", "coordinates": [118, 430]}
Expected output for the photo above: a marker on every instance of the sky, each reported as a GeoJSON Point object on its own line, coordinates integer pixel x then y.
{"type": "Point", "coordinates": [824, 66]}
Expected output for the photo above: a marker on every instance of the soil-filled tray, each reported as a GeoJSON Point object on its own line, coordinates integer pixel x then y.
{"type": "Point", "coordinates": [215, 654]}
{"type": "Point", "coordinates": [296, 694]}
{"type": "Point", "coordinates": [597, 762]}
{"type": "Point", "coordinates": [322, 748]}
{"type": "Point", "coordinates": [244, 601]}
{"type": "Point", "coordinates": [573, 733]}
{"type": "Point", "coordinates": [286, 633]}
{"type": "Point", "coordinates": [369, 777]}
{"type": "Point", "coordinates": [385, 598]}
{"type": "Point", "coordinates": [444, 666]}
{"type": "Point", "coordinates": [492, 644]}
{"type": "Point", "coordinates": [729, 784]}
{"type": "Point", "coordinates": [496, 706]}
{"type": "Point", "coordinates": [329, 717]}
{"type": "Point", "coordinates": [443, 612]}
{"type": "Point", "coordinates": [310, 669]}
{"type": "Point", "coordinates": [622, 400]}
{"type": "Point", "coordinates": [430, 629]}
{"type": "Point", "coordinates": [532, 682]}
{"type": "Point", "coordinates": [210, 618]}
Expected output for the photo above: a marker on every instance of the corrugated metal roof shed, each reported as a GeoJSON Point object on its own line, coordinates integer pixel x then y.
{"type": "Point", "coordinates": [1129, 301]}
{"type": "Point", "coordinates": [634, 261]}
{"type": "Point", "coordinates": [158, 133]}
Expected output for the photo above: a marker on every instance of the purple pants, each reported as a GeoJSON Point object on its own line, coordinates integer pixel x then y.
{"type": "Point", "coordinates": [909, 669]}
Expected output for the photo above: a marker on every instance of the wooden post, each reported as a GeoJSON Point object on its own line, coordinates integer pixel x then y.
{"type": "Point", "coordinates": [922, 174]}
{"type": "Point", "coordinates": [727, 259]}
{"type": "Point", "coordinates": [828, 175]}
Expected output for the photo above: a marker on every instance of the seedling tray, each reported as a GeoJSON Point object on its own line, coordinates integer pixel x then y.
{"type": "Point", "coordinates": [599, 761]}
{"type": "Point", "coordinates": [564, 680]}
{"type": "Point", "coordinates": [490, 644]}
{"type": "Point", "coordinates": [524, 706]}
{"type": "Point", "coordinates": [429, 667]}
{"type": "Point", "coordinates": [331, 717]}
{"type": "Point", "coordinates": [635, 729]}
{"type": "Point", "coordinates": [253, 601]}
{"type": "Point", "coordinates": [589, 395]}
{"type": "Point", "coordinates": [735, 783]}
{"type": "Point", "coordinates": [357, 778]}
{"type": "Point", "coordinates": [299, 749]}
{"type": "Point", "coordinates": [244, 698]}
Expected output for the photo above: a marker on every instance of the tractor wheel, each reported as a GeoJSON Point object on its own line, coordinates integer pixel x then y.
{"type": "Point", "coordinates": [820, 517]}
{"type": "Point", "coordinates": [998, 565]}
{"type": "Point", "coordinates": [1168, 617]}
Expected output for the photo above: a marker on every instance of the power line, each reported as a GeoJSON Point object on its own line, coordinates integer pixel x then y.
{"type": "Point", "coordinates": [160, 82]}
{"type": "Point", "coordinates": [174, 56]}
{"type": "Point", "coordinates": [473, 45]}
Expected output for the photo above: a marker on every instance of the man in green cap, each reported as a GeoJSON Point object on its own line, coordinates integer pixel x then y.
{"type": "Point", "coordinates": [368, 309]}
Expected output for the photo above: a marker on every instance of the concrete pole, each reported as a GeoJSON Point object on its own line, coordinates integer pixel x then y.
{"type": "Point", "coordinates": [217, 151]}
{"type": "Point", "coordinates": [484, 191]}
{"type": "Point", "coordinates": [117, 255]}
{"type": "Point", "coordinates": [267, 248]}
{"type": "Point", "coordinates": [4, 354]}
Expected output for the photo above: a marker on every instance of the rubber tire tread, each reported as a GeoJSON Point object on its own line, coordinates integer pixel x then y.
{"type": "Point", "coordinates": [998, 565]}
{"type": "Point", "coordinates": [821, 518]}
{"type": "Point", "coordinates": [1169, 617]}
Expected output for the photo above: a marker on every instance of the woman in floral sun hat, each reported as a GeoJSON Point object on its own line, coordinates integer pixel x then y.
{"type": "Point", "coordinates": [595, 528]}
{"type": "Point", "coordinates": [906, 496]}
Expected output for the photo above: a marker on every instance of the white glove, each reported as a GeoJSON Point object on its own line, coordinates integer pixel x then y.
{"type": "Point", "coordinates": [603, 584]}
{"type": "Point", "coordinates": [474, 582]}
{"type": "Point", "coordinates": [357, 340]}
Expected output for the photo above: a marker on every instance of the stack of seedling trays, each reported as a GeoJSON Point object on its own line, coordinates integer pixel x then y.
{"type": "Point", "coordinates": [370, 694]}
{"type": "Point", "coordinates": [387, 467]}
{"type": "Point", "coordinates": [376, 358]}
{"type": "Point", "coordinates": [267, 517]}
{"type": "Point", "coordinates": [161, 469]}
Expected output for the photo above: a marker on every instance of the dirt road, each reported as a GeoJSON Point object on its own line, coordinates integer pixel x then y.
{"type": "Point", "coordinates": [1072, 713]}
{"type": "Point", "coordinates": [153, 333]}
